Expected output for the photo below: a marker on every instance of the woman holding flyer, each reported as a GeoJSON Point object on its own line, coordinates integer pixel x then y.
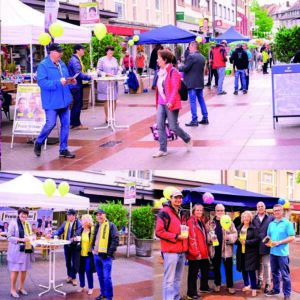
{"type": "Point", "coordinates": [197, 253]}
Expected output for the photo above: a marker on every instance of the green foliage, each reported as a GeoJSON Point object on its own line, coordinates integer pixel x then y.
{"type": "Point", "coordinates": [298, 177]}
{"type": "Point", "coordinates": [99, 46]}
{"type": "Point", "coordinates": [143, 222]}
{"type": "Point", "coordinates": [262, 20]}
{"type": "Point", "coordinates": [97, 52]}
{"type": "Point", "coordinates": [204, 49]}
{"type": "Point", "coordinates": [287, 42]}
{"type": "Point", "coordinates": [115, 213]}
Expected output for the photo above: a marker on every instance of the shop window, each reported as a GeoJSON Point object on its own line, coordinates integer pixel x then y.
{"type": "Point", "coordinates": [228, 11]}
{"type": "Point", "coordinates": [290, 186]}
{"type": "Point", "coordinates": [196, 4]}
{"type": "Point", "coordinates": [157, 4]}
{"type": "Point", "coordinates": [224, 12]}
{"type": "Point", "coordinates": [120, 8]}
{"type": "Point", "coordinates": [216, 9]}
{"type": "Point", "coordinates": [140, 174]}
{"type": "Point", "coordinates": [232, 16]}
{"type": "Point", "coordinates": [240, 179]}
{"type": "Point", "coordinates": [220, 10]}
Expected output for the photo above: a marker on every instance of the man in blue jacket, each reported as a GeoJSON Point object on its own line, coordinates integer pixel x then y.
{"type": "Point", "coordinates": [52, 77]}
{"type": "Point", "coordinates": [76, 67]}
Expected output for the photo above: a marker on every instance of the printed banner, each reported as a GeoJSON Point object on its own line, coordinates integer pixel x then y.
{"type": "Point", "coordinates": [29, 116]}
{"type": "Point", "coordinates": [51, 12]}
{"type": "Point", "coordinates": [89, 14]}
{"type": "Point", "coordinates": [8, 216]}
{"type": "Point", "coordinates": [130, 193]}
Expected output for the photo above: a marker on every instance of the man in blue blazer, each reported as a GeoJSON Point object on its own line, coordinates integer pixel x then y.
{"type": "Point", "coordinates": [52, 77]}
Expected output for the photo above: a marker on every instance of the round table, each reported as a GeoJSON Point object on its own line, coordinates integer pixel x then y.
{"type": "Point", "coordinates": [111, 118]}
{"type": "Point", "coordinates": [52, 244]}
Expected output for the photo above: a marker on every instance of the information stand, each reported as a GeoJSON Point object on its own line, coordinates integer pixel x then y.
{"type": "Point", "coordinates": [285, 91]}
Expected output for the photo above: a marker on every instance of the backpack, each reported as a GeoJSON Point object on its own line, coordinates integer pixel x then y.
{"type": "Point", "coordinates": [183, 91]}
{"type": "Point", "coordinates": [132, 81]}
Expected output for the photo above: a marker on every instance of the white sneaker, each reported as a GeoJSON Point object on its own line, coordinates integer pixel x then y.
{"type": "Point", "coordinates": [159, 154]}
{"type": "Point", "coordinates": [246, 288]}
{"type": "Point", "coordinates": [217, 288]}
{"type": "Point", "coordinates": [90, 291]}
{"type": "Point", "coordinates": [189, 145]}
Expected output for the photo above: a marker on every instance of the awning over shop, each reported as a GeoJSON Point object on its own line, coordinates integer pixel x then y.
{"type": "Point", "coordinates": [166, 35]}
{"type": "Point", "coordinates": [232, 198]}
{"type": "Point", "coordinates": [122, 30]}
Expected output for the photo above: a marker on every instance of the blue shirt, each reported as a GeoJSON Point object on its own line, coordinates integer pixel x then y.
{"type": "Point", "coordinates": [249, 56]}
{"type": "Point", "coordinates": [280, 230]}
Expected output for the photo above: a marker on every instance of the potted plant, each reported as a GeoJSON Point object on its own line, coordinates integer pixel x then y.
{"type": "Point", "coordinates": [143, 229]}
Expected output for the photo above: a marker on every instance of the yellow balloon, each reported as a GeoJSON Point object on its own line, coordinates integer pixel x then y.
{"type": "Point", "coordinates": [100, 31]}
{"type": "Point", "coordinates": [287, 204]}
{"type": "Point", "coordinates": [136, 38]}
{"type": "Point", "coordinates": [130, 43]}
{"type": "Point", "coordinates": [56, 29]}
{"type": "Point", "coordinates": [225, 222]}
{"type": "Point", "coordinates": [44, 38]}
{"type": "Point", "coordinates": [198, 39]}
{"type": "Point", "coordinates": [49, 187]}
{"type": "Point", "coordinates": [63, 188]}
{"type": "Point", "coordinates": [168, 192]}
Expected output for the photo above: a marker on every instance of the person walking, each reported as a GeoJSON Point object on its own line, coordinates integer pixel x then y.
{"type": "Point", "coordinates": [197, 254]}
{"type": "Point", "coordinates": [71, 229]}
{"type": "Point", "coordinates": [221, 247]}
{"type": "Point", "coordinates": [153, 63]}
{"type": "Point", "coordinates": [247, 251]}
{"type": "Point", "coordinates": [239, 59]}
{"type": "Point", "coordinates": [76, 68]}
{"type": "Point", "coordinates": [281, 233]}
{"type": "Point", "coordinates": [104, 245]}
{"type": "Point", "coordinates": [194, 79]}
{"type": "Point", "coordinates": [127, 62]}
{"type": "Point", "coordinates": [212, 72]}
{"type": "Point", "coordinates": [19, 252]}
{"type": "Point", "coordinates": [168, 102]}
{"type": "Point", "coordinates": [56, 98]}
{"type": "Point", "coordinates": [265, 59]}
{"type": "Point", "coordinates": [247, 71]}
{"type": "Point", "coordinates": [262, 220]}
{"type": "Point", "coordinates": [87, 265]}
{"type": "Point", "coordinates": [219, 63]}
{"type": "Point", "coordinates": [173, 243]}
{"type": "Point", "coordinates": [140, 62]}
{"type": "Point", "coordinates": [296, 58]}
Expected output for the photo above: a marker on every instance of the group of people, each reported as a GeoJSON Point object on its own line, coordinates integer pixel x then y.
{"type": "Point", "coordinates": [262, 249]}
{"type": "Point", "coordinates": [91, 250]}
{"type": "Point", "coordinates": [128, 62]}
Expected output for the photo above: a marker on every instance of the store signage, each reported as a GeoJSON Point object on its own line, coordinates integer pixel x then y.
{"type": "Point", "coordinates": [218, 23]}
{"type": "Point", "coordinates": [179, 15]}
{"type": "Point", "coordinates": [130, 193]}
{"type": "Point", "coordinates": [29, 117]}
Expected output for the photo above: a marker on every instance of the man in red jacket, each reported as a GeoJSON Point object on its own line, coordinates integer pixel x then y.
{"type": "Point", "coordinates": [170, 228]}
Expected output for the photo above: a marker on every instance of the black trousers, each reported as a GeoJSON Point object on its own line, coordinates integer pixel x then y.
{"type": "Point", "coordinates": [228, 270]}
{"type": "Point", "coordinates": [194, 267]}
{"type": "Point", "coordinates": [265, 68]}
{"type": "Point", "coordinates": [211, 73]}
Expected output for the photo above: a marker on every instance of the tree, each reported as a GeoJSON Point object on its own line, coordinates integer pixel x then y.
{"type": "Point", "coordinates": [287, 42]}
{"type": "Point", "coordinates": [262, 20]}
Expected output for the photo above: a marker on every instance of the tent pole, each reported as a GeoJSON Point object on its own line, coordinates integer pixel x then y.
{"type": "Point", "coordinates": [91, 56]}
{"type": "Point", "coordinates": [31, 63]}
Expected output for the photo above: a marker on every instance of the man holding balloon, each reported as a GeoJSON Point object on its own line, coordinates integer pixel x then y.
{"type": "Point", "coordinates": [222, 234]}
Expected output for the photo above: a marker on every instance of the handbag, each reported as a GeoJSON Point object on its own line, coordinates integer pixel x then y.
{"type": "Point", "coordinates": [183, 90]}
{"type": "Point", "coordinates": [171, 136]}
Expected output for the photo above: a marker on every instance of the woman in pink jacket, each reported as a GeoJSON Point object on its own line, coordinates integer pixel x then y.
{"type": "Point", "coordinates": [168, 101]}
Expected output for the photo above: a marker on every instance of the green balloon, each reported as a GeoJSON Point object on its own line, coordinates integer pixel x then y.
{"type": "Point", "coordinates": [49, 187]}
{"type": "Point", "coordinates": [63, 188]}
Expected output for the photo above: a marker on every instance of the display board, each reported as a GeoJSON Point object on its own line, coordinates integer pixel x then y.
{"type": "Point", "coordinates": [29, 116]}
{"type": "Point", "coordinates": [285, 91]}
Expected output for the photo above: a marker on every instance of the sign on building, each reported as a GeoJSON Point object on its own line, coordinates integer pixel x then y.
{"type": "Point", "coordinates": [89, 14]}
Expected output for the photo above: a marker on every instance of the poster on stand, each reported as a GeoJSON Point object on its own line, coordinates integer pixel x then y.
{"type": "Point", "coordinates": [29, 117]}
{"type": "Point", "coordinates": [130, 193]}
{"type": "Point", "coordinates": [89, 14]}
{"type": "Point", "coordinates": [51, 12]}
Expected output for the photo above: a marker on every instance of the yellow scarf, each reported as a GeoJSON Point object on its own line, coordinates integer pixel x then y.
{"type": "Point", "coordinates": [82, 65]}
{"type": "Point", "coordinates": [66, 229]}
{"type": "Point", "coordinates": [28, 231]}
{"type": "Point", "coordinates": [103, 240]}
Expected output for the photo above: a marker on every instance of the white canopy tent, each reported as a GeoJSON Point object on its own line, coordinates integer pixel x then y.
{"type": "Point", "coordinates": [22, 25]}
{"type": "Point", "coordinates": [27, 191]}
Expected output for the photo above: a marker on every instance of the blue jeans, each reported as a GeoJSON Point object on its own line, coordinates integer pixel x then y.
{"type": "Point", "coordinates": [51, 116]}
{"type": "Point", "coordinates": [85, 267]}
{"type": "Point", "coordinates": [154, 82]}
{"type": "Point", "coordinates": [221, 74]}
{"type": "Point", "coordinates": [70, 256]}
{"type": "Point", "coordinates": [280, 264]}
{"type": "Point", "coordinates": [173, 268]}
{"type": "Point", "coordinates": [237, 75]}
{"type": "Point", "coordinates": [103, 267]}
{"type": "Point", "coordinates": [164, 113]}
{"type": "Point", "coordinates": [247, 80]}
{"type": "Point", "coordinates": [193, 94]}
{"type": "Point", "coordinates": [247, 274]}
{"type": "Point", "coordinates": [77, 105]}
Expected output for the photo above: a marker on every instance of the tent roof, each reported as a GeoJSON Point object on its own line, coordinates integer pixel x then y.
{"type": "Point", "coordinates": [26, 190]}
{"type": "Point", "coordinates": [229, 196]}
{"type": "Point", "coordinates": [21, 24]}
{"type": "Point", "coordinates": [231, 35]}
{"type": "Point", "coordinates": [166, 35]}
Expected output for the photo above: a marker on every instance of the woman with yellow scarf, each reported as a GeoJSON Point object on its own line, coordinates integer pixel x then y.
{"type": "Point", "coordinates": [19, 251]}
